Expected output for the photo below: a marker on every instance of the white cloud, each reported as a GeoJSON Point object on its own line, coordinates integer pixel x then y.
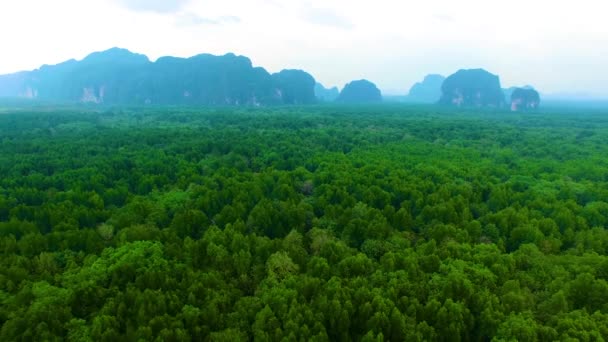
{"type": "Point", "coordinates": [191, 19]}
{"type": "Point", "coordinates": [327, 17]}
{"type": "Point", "coordinates": [160, 6]}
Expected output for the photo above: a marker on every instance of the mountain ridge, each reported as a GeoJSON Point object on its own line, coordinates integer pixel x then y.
{"type": "Point", "coordinates": [119, 76]}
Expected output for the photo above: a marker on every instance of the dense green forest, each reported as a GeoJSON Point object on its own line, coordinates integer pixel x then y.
{"type": "Point", "coordinates": [302, 224]}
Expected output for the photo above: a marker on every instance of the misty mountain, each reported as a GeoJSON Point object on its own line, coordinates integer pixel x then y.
{"type": "Point", "coordinates": [524, 99]}
{"type": "Point", "coordinates": [295, 87]}
{"type": "Point", "coordinates": [326, 94]}
{"type": "Point", "coordinates": [509, 91]}
{"type": "Point", "coordinates": [118, 76]}
{"type": "Point", "coordinates": [427, 91]}
{"type": "Point", "coordinates": [472, 88]}
{"type": "Point", "coordinates": [361, 91]}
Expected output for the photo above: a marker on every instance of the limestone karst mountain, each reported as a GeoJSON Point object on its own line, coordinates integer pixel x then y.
{"type": "Point", "coordinates": [326, 94]}
{"type": "Point", "coordinates": [427, 91]}
{"type": "Point", "coordinates": [118, 76]}
{"type": "Point", "coordinates": [524, 99]}
{"type": "Point", "coordinates": [361, 91]}
{"type": "Point", "coordinates": [472, 88]}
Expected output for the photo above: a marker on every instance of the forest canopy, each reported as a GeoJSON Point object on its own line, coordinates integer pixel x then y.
{"type": "Point", "coordinates": [309, 223]}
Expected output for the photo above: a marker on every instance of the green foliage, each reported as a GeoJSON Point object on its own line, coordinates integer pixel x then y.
{"type": "Point", "coordinates": [307, 224]}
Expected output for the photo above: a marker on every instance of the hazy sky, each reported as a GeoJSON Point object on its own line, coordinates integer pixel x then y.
{"type": "Point", "coordinates": [557, 46]}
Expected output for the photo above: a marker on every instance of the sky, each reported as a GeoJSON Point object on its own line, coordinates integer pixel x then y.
{"type": "Point", "coordinates": [559, 47]}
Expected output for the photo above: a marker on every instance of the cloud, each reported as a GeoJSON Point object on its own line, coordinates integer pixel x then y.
{"type": "Point", "coordinates": [158, 6]}
{"type": "Point", "coordinates": [327, 17]}
{"type": "Point", "coordinates": [274, 3]}
{"type": "Point", "coordinates": [444, 17]}
{"type": "Point", "coordinates": [192, 19]}
{"type": "Point", "coordinates": [229, 19]}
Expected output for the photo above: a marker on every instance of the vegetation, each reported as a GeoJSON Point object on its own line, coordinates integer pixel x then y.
{"type": "Point", "coordinates": [302, 224]}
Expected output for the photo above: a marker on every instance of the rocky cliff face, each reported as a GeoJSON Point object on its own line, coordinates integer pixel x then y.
{"type": "Point", "coordinates": [118, 76]}
{"type": "Point", "coordinates": [524, 99]}
{"type": "Point", "coordinates": [361, 91]}
{"type": "Point", "coordinates": [295, 87]}
{"type": "Point", "coordinates": [472, 88]}
{"type": "Point", "coordinates": [509, 91]}
{"type": "Point", "coordinates": [427, 91]}
{"type": "Point", "coordinates": [14, 85]}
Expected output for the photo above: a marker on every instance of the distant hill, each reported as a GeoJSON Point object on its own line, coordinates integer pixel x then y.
{"type": "Point", "coordinates": [326, 94]}
{"type": "Point", "coordinates": [118, 76]}
{"type": "Point", "coordinates": [427, 91]}
{"type": "Point", "coordinates": [361, 91]}
{"type": "Point", "coordinates": [295, 87]}
{"type": "Point", "coordinates": [472, 88]}
{"type": "Point", "coordinates": [524, 99]}
{"type": "Point", "coordinates": [509, 91]}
